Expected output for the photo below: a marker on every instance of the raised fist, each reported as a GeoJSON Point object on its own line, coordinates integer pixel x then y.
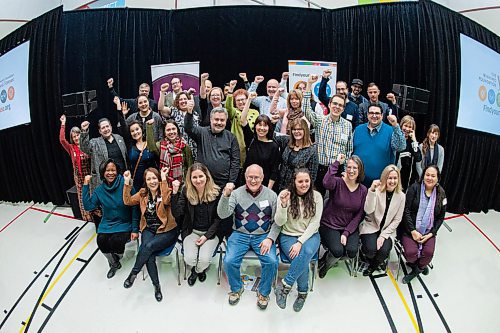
{"type": "Point", "coordinates": [341, 158]}
{"type": "Point", "coordinates": [191, 91]}
{"type": "Point", "coordinates": [280, 90]}
{"type": "Point", "coordinates": [63, 120]}
{"type": "Point", "coordinates": [232, 84]}
{"type": "Point", "coordinates": [87, 179]}
{"type": "Point", "coordinates": [85, 125]}
{"type": "Point", "coordinates": [190, 105]}
{"type": "Point", "coordinates": [228, 189]}
{"type": "Point", "coordinates": [164, 173]}
{"type": "Point", "coordinates": [259, 79]}
{"type": "Point", "coordinates": [110, 82]}
{"type": "Point", "coordinates": [375, 185]}
{"type": "Point", "coordinates": [204, 76]}
{"type": "Point", "coordinates": [391, 97]}
{"type": "Point", "coordinates": [327, 73]}
{"type": "Point", "coordinates": [116, 100]}
{"type": "Point", "coordinates": [243, 76]}
{"type": "Point", "coordinates": [127, 176]}
{"type": "Point", "coordinates": [164, 87]}
{"type": "Point", "coordinates": [284, 197]}
{"type": "Point", "coordinates": [392, 120]}
{"type": "Point", "coordinates": [175, 186]}
{"type": "Point", "coordinates": [312, 78]}
{"type": "Point", "coordinates": [252, 95]}
{"type": "Point", "coordinates": [285, 76]}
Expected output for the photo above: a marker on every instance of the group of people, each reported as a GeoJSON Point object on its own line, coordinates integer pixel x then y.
{"type": "Point", "coordinates": [288, 176]}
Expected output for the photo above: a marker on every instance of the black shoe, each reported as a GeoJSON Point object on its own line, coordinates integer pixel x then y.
{"type": "Point", "coordinates": [202, 276]}
{"type": "Point", "coordinates": [322, 271]}
{"type": "Point", "coordinates": [113, 269]}
{"type": "Point", "coordinates": [414, 273]}
{"type": "Point", "coordinates": [158, 294]}
{"type": "Point", "coordinates": [192, 278]}
{"type": "Point", "coordinates": [368, 271]}
{"type": "Point", "coordinates": [129, 281]}
{"type": "Point", "coordinates": [425, 271]}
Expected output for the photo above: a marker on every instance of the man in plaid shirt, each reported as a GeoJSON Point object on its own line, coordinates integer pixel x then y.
{"type": "Point", "coordinates": [333, 133]}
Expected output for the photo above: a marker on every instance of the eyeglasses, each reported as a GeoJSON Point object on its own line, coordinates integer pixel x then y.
{"type": "Point", "coordinates": [337, 104]}
{"type": "Point", "coordinates": [254, 178]}
{"type": "Point", "coordinates": [374, 113]}
{"type": "Point", "coordinates": [174, 83]}
{"type": "Point", "coordinates": [241, 100]}
{"type": "Point", "coordinates": [297, 129]}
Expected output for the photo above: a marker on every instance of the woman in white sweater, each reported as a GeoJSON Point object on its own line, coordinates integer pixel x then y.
{"type": "Point", "coordinates": [298, 213]}
{"type": "Point", "coordinates": [384, 206]}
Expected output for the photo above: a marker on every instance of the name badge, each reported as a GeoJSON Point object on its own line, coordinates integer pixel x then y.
{"type": "Point", "coordinates": [445, 201]}
{"type": "Point", "coordinates": [158, 199]}
{"type": "Point", "coordinates": [343, 137]}
{"type": "Point", "coordinates": [263, 203]}
{"type": "Point", "coordinates": [349, 117]}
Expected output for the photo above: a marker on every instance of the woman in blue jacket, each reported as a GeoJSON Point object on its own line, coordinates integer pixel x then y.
{"type": "Point", "coordinates": [119, 223]}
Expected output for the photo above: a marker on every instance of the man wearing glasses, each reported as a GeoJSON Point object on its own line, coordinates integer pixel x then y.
{"type": "Point", "coordinates": [376, 143]}
{"type": "Point", "coordinates": [333, 133]}
{"type": "Point", "coordinates": [144, 90]}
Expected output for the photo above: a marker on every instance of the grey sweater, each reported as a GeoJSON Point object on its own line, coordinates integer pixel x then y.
{"type": "Point", "coordinates": [220, 152]}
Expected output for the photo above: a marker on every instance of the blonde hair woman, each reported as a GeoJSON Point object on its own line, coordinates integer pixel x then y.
{"type": "Point", "coordinates": [196, 207]}
{"type": "Point", "coordinates": [384, 207]}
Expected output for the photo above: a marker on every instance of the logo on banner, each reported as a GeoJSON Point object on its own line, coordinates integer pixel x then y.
{"type": "Point", "coordinates": [10, 93]}
{"type": "Point", "coordinates": [3, 96]}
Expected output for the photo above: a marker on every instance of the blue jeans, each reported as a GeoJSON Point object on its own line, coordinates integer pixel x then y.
{"type": "Point", "coordinates": [151, 244]}
{"type": "Point", "coordinates": [299, 267]}
{"type": "Point", "coordinates": [237, 245]}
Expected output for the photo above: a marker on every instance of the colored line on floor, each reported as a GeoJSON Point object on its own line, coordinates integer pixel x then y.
{"type": "Point", "coordinates": [410, 314]}
{"type": "Point", "coordinates": [436, 307]}
{"type": "Point", "coordinates": [59, 277]}
{"type": "Point", "coordinates": [54, 213]}
{"type": "Point", "coordinates": [482, 233]}
{"type": "Point", "coordinates": [15, 218]}
{"type": "Point", "coordinates": [453, 216]}
{"type": "Point", "coordinates": [384, 305]}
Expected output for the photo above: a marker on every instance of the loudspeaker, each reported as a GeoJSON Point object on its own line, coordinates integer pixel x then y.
{"type": "Point", "coordinates": [412, 99]}
{"type": "Point", "coordinates": [72, 196]}
{"type": "Point", "coordinates": [80, 103]}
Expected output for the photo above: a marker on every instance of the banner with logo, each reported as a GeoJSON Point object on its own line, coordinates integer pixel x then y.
{"type": "Point", "coordinates": [187, 72]}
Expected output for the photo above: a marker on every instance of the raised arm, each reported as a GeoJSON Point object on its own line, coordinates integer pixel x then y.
{"type": "Point", "coordinates": [150, 138]}
{"type": "Point", "coordinates": [90, 202]}
{"type": "Point", "coordinates": [227, 202]}
{"type": "Point", "coordinates": [231, 111]}
{"type": "Point", "coordinates": [203, 87]}
{"type": "Point", "coordinates": [128, 199]}
{"type": "Point", "coordinates": [244, 114]}
{"type": "Point", "coordinates": [398, 142]}
{"type": "Point", "coordinates": [165, 110]}
{"type": "Point", "coordinates": [191, 129]}
{"type": "Point", "coordinates": [331, 181]}
{"type": "Point", "coordinates": [311, 116]}
{"type": "Point", "coordinates": [62, 135]}
{"type": "Point", "coordinates": [243, 76]}
{"type": "Point", "coordinates": [322, 96]}
{"type": "Point", "coordinates": [85, 145]}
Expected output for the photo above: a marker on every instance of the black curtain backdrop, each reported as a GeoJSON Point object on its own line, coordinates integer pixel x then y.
{"type": "Point", "coordinates": [412, 43]}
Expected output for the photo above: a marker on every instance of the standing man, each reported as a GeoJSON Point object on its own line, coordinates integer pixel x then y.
{"type": "Point", "coordinates": [144, 90]}
{"type": "Point", "coordinates": [355, 94]}
{"type": "Point", "coordinates": [217, 147]}
{"type": "Point", "coordinates": [373, 94]}
{"type": "Point", "coordinates": [108, 145]}
{"type": "Point", "coordinates": [264, 102]}
{"type": "Point", "coordinates": [333, 133]}
{"type": "Point", "coordinates": [376, 143]}
{"type": "Point", "coordinates": [253, 206]}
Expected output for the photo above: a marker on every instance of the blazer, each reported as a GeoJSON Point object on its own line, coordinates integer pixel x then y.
{"type": "Point", "coordinates": [411, 209]}
{"type": "Point", "coordinates": [375, 209]}
{"type": "Point", "coordinates": [184, 211]}
{"type": "Point", "coordinates": [97, 150]}
{"type": "Point", "coordinates": [163, 207]}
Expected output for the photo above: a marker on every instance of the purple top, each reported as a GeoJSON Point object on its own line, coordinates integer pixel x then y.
{"type": "Point", "coordinates": [344, 210]}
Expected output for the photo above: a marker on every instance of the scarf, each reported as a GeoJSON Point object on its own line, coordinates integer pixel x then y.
{"type": "Point", "coordinates": [425, 218]}
{"type": "Point", "coordinates": [171, 157]}
{"type": "Point", "coordinates": [290, 115]}
{"type": "Point", "coordinates": [434, 161]}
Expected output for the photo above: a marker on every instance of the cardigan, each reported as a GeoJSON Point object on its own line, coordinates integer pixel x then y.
{"type": "Point", "coordinates": [301, 227]}
{"type": "Point", "coordinates": [375, 209]}
{"type": "Point", "coordinates": [163, 208]}
{"type": "Point", "coordinates": [183, 211]}
{"type": "Point", "coordinates": [411, 209]}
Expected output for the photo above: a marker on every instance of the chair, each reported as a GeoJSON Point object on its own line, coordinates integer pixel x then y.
{"type": "Point", "coordinates": [398, 246]}
{"type": "Point", "coordinates": [165, 253]}
{"type": "Point", "coordinates": [213, 255]}
{"type": "Point", "coordinates": [313, 265]}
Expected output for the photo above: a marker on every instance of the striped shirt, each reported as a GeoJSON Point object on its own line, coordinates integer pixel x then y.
{"type": "Point", "coordinates": [333, 137]}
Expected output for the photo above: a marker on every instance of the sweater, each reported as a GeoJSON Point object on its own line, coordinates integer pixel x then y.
{"type": "Point", "coordinates": [116, 216]}
{"type": "Point", "coordinates": [252, 215]}
{"type": "Point", "coordinates": [184, 212]}
{"type": "Point", "coordinates": [377, 151]}
{"type": "Point", "coordinates": [344, 209]}
{"type": "Point", "coordinates": [306, 157]}
{"type": "Point", "coordinates": [163, 207]}
{"type": "Point", "coordinates": [218, 151]}
{"type": "Point", "coordinates": [375, 206]}
{"type": "Point", "coordinates": [300, 227]}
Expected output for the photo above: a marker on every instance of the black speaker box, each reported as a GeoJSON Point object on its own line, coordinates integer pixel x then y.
{"type": "Point", "coordinates": [412, 99]}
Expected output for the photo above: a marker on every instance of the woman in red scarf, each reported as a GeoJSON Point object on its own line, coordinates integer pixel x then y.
{"type": "Point", "coordinates": [80, 161]}
{"type": "Point", "coordinates": [174, 152]}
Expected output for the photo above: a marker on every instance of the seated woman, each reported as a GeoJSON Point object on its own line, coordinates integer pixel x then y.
{"type": "Point", "coordinates": [432, 152]}
{"type": "Point", "coordinates": [261, 149]}
{"type": "Point", "coordinates": [119, 223]}
{"type": "Point", "coordinates": [343, 212]}
{"type": "Point", "coordinates": [80, 161]}
{"type": "Point", "coordinates": [384, 206]}
{"type": "Point", "coordinates": [408, 159]}
{"type": "Point", "coordinates": [299, 152]}
{"type": "Point", "coordinates": [196, 207]}
{"type": "Point", "coordinates": [158, 227]}
{"type": "Point", "coordinates": [298, 214]}
{"type": "Point", "coordinates": [424, 212]}
{"type": "Point", "coordinates": [174, 152]}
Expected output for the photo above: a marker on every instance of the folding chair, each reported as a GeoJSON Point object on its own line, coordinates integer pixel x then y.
{"type": "Point", "coordinates": [313, 266]}
{"type": "Point", "coordinates": [165, 253]}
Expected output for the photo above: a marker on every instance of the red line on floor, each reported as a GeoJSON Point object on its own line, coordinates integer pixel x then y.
{"type": "Point", "coordinates": [468, 219]}
{"type": "Point", "coordinates": [453, 216]}
{"type": "Point", "coordinates": [54, 213]}
{"type": "Point", "coordinates": [15, 218]}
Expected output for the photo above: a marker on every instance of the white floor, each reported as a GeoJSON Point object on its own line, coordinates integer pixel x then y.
{"type": "Point", "coordinates": [54, 280]}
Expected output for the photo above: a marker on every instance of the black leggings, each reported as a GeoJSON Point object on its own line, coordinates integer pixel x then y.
{"type": "Point", "coordinates": [113, 242]}
{"type": "Point", "coordinates": [331, 239]}
{"type": "Point", "coordinates": [369, 247]}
